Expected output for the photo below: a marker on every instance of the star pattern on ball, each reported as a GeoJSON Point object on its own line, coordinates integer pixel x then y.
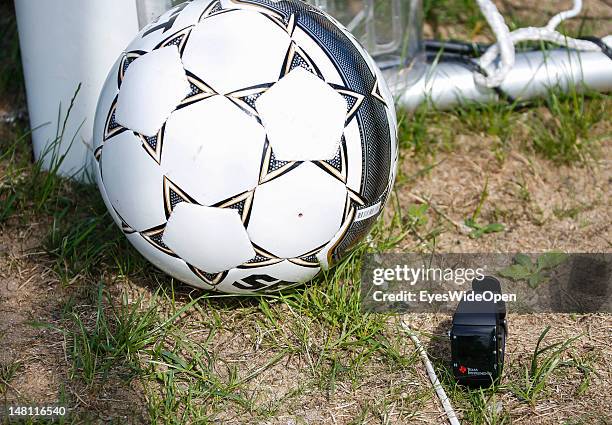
{"type": "Point", "coordinates": [353, 101]}
{"type": "Point", "coordinates": [112, 127]}
{"type": "Point", "coordinates": [125, 228]}
{"type": "Point", "coordinates": [297, 57]}
{"type": "Point", "coordinates": [376, 93]}
{"type": "Point", "coordinates": [173, 195]}
{"type": "Point", "coordinates": [353, 202]}
{"type": "Point", "coordinates": [153, 145]}
{"type": "Point", "coordinates": [126, 61]}
{"type": "Point", "coordinates": [288, 25]}
{"type": "Point", "coordinates": [336, 167]}
{"type": "Point", "coordinates": [262, 258]}
{"type": "Point", "coordinates": [272, 168]}
{"type": "Point", "coordinates": [155, 236]}
{"type": "Point", "coordinates": [214, 8]}
{"type": "Point", "coordinates": [178, 39]}
{"type": "Point", "coordinates": [212, 279]}
{"type": "Point", "coordinates": [199, 91]}
{"type": "Point", "coordinates": [309, 259]}
{"type": "Point", "coordinates": [350, 213]}
{"type": "Point", "coordinates": [245, 98]}
{"type": "Point", "coordinates": [242, 203]}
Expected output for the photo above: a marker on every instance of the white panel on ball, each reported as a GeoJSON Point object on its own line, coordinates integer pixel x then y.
{"type": "Point", "coordinates": [175, 267]}
{"type": "Point", "coordinates": [217, 239]}
{"type": "Point", "coordinates": [105, 198]}
{"type": "Point", "coordinates": [304, 117]}
{"type": "Point", "coordinates": [297, 212]}
{"type": "Point", "coordinates": [354, 153]}
{"type": "Point", "coordinates": [153, 86]}
{"type": "Point", "coordinates": [235, 50]}
{"type": "Point", "coordinates": [213, 150]}
{"type": "Point", "coordinates": [133, 182]}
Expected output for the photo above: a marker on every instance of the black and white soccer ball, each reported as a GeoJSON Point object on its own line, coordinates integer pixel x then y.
{"type": "Point", "coordinates": [244, 145]}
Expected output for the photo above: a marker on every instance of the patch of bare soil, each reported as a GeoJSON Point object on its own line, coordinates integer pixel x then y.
{"type": "Point", "coordinates": [31, 304]}
{"type": "Point", "coordinates": [595, 19]}
{"type": "Point", "coordinates": [596, 14]}
{"type": "Point", "coordinates": [543, 206]}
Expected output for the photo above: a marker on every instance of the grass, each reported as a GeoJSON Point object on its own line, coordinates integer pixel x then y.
{"type": "Point", "coordinates": [172, 355]}
{"type": "Point", "coordinates": [562, 132]}
{"type": "Point", "coordinates": [533, 380]}
{"type": "Point", "coordinates": [441, 13]}
{"type": "Point", "coordinates": [7, 373]}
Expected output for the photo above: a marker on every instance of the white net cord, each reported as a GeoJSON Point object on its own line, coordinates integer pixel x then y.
{"type": "Point", "coordinates": [506, 40]}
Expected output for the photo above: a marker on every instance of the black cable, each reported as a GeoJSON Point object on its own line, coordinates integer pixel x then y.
{"type": "Point", "coordinates": [456, 47]}
{"type": "Point", "coordinates": [605, 49]}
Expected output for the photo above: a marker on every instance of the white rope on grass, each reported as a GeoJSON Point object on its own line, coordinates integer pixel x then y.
{"type": "Point", "coordinates": [506, 40]}
{"type": "Point", "coordinates": [444, 400]}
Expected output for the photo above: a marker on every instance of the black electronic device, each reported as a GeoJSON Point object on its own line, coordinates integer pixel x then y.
{"type": "Point", "coordinates": [478, 334]}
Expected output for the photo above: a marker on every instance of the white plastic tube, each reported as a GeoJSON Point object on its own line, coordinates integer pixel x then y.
{"type": "Point", "coordinates": [533, 75]}
{"type": "Point", "coordinates": [65, 43]}
{"type": "Point", "coordinates": [435, 382]}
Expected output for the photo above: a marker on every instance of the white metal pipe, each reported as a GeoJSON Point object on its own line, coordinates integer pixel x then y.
{"type": "Point", "coordinates": [151, 9]}
{"type": "Point", "coordinates": [65, 43]}
{"type": "Point", "coordinates": [445, 85]}
{"type": "Point", "coordinates": [435, 382]}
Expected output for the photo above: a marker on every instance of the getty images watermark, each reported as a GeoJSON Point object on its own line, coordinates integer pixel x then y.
{"type": "Point", "coordinates": [544, 282]}
{"type": "Point", "coordinates": [411, 276]}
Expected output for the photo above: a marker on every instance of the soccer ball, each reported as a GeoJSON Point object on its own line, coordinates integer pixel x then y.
{"type": "Point", "coordinates": [244, 145]}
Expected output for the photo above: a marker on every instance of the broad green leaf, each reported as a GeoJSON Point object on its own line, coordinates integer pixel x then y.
{"type": "Point", "coordinates": [523, 260]}
{"type": "Point", "coordinates": [550, 260]}
{"type": "Point", "coordinates": [515, 272]}
{"type": "Point", "coordinates": [536, 279]}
